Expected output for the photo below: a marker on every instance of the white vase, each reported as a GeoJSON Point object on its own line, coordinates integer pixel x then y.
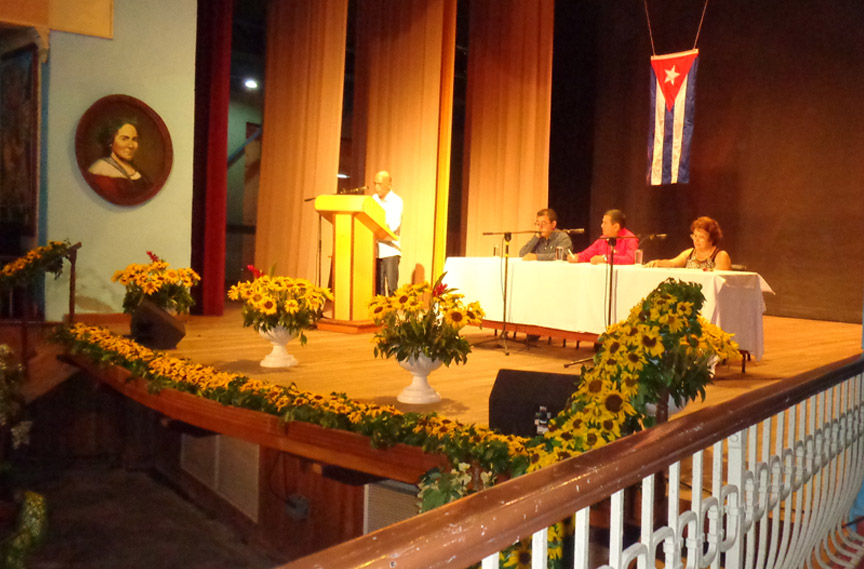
{"type": "Point", "coordinates": [419, 391]}
{"type": "Point", "coordinates": [279, 356]}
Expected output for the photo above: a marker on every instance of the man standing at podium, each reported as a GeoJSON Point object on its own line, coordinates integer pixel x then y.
{"type": "Point", "coordinates": [389, 252]}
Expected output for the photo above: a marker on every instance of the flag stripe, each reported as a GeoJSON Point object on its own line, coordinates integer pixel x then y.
{"type": "Point", "coordinates": [671, 131]}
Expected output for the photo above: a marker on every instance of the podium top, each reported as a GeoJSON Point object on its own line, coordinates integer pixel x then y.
{"type": "Point", "coordinates": [363, 208]}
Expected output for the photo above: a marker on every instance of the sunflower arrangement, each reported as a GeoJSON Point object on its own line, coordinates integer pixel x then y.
{"type": "Point", "coordinates": [157, 282]}
{"type": "Point", "coordinates": [664, 349]}
{"type": "Point", "coordinates": [423, 319]}
{"type": "Point", "coordinates": [270, 301]}
{"type": "Point", "coordinates": [26, 269]}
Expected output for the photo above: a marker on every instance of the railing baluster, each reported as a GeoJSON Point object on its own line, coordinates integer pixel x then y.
{"type": "Point", "coordinates": [581, 535]}
{"type": "Point", "coordinates": [490, 562]}
{"type": "Point", "coordinates": [775, 491]}
{"type": "Point", "coordinates": [672, 544]}
{"type": "Point", "coordinates": [616, 529]}
{"type": "Point", "coordinates": [539, 549]}
{"type": "Point", "coordinates": [735, 513]}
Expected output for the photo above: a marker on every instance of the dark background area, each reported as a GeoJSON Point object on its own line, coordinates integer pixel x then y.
{"type": "Point", "coordinates": [777, 147]}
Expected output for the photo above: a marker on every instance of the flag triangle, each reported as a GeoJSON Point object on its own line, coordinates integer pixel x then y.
{"type": "Point", "coordinates": [671, 71]}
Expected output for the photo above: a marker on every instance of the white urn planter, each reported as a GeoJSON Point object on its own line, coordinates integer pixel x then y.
{"type": "Point", "coordinates": [278, 356]}
{"type": "Point", "coordinates": [419, 391]}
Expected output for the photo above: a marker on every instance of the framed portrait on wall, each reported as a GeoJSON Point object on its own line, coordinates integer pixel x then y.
{"type": "Point", "coordinates": [19, 140]}
{"type": "Point", "coordinates": [123, 150]}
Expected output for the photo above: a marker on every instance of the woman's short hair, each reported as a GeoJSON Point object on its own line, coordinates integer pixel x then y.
{"type": "Point", "coordinates": [110, 127]}
{"type": "Point", "coordinates": [708, 225]}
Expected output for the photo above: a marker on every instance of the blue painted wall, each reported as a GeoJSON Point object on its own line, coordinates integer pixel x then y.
{"type": "Point", "coordinates": [151, 58]}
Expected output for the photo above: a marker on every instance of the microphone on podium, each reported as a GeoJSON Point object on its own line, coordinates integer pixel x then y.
{"type": "Point", "coordinates": [577, 230]}
{"type": "Point", "coordinates": [352, 191]}
{"type": "Point", "coordinates": [657, 236]}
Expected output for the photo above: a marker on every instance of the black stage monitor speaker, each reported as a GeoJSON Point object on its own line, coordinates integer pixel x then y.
{"type": "Point", "coordinates": [153, 327]}
{"type": "Point", "coordinates": [522, 402]}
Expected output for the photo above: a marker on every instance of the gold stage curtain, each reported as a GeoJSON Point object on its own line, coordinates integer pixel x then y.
{"type": "Point", "coordinates": [302, 124]}
{"type": "Point", "coordinates": [403, 115]}
{"type": "Point", "coordinates": [507, 119]}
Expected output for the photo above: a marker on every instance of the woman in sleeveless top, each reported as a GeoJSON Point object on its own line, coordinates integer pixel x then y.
{"type": "Point", "coordinates": [705, 254]}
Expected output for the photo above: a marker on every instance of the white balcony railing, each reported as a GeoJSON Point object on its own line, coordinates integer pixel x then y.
{"type": "Point", "coordinates": [766, 480]}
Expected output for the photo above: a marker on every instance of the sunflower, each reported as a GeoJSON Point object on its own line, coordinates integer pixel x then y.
{"type": "Point", "coordinates": [267, 306]}
{"type": "Point", "coordinates": [519, 556]}
{"type": "Point", "coordinates": [616, 405]}
{"type": "Point", "coordinates": [651, 341]}
{"type": "Point", "coordinates": [456, 318]}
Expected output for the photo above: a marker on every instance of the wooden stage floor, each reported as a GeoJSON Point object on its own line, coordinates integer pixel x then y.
{"type": "Point", "coordinates": [338, 362]}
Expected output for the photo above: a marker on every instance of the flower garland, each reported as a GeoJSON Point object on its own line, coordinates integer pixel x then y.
{"type": "Point", "coordinates": [45, 259]}
{"type": "Point", "coordinates": [384, 424]}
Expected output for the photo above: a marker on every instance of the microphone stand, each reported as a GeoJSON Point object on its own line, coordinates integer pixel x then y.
{"type": "Point", "coordinates": [612, 241]}
{"type": "Point", "coordinates": [508, 235]}
{"type": "Point", "coordinates": [318, 258]}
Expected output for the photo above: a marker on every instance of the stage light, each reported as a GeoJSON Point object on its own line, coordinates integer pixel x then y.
{"type": "Point", "coordinates": [251, 84]}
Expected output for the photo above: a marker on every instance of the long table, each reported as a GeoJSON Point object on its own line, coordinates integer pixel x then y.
{"type": "Point", "coordinates": [573, 297]}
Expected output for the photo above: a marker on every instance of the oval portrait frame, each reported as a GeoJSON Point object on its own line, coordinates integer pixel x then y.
{"type": "Point", "coordinates": [153, 158]}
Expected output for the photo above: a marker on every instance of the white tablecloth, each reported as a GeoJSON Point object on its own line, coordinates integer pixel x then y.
{"type": "Point", "coordinates": [572, 297]}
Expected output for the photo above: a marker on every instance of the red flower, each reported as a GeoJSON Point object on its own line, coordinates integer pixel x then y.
{"type": "Point", "coordinates": [439, 289]}
{"type": "Point", "coordinates": [255, 272]}
{"type": "Point", "coordinates": [153, 256]}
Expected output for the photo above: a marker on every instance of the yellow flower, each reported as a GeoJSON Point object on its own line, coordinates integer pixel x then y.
{"type": "Point", "coordinates": [291, 306]}
{"type": "Point", "coordinates": [518, 557]}
{"type": "Point", "coordinates": [673, 321]}
{"type": "Point", "coordinates": [456, 318]}
{"type": "Point", "coordinates": [616, 405]}
{"type": "Point", "coordinates": [651, 341]}
{"type": "Point", "coordinates": [266, 306]}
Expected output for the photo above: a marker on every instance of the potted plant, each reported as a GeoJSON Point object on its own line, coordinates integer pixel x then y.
{"type": "Point", "coordinates": [155, 293]}
{"type": "Point", "coordinates": [420, 326]}
{"type": "Point", "coordinates": [280, 309]}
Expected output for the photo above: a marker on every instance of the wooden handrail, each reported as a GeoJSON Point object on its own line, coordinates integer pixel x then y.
{"type": "Point", "coordinates": [29, 303]}
{"type": "Point", "coordinates": [464, 532]}
{"type": "Point", "coordinates": [72, 255]}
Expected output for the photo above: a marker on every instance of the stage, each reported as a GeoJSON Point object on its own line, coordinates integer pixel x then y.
{"type": "Point", "coordinates": [333, 361]}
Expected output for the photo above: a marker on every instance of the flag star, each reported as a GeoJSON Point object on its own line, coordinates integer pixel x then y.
{"type": "Point", "coordinates": [671, 75]}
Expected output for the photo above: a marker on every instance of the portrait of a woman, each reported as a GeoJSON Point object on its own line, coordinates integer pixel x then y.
{"type": "Point", "coordinates": [116, 173]}
{"type": "Point", "coordinates": [123, 150]}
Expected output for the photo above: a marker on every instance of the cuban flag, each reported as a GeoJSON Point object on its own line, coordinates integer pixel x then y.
{"type": "Point", "coordinates": [673, 98]}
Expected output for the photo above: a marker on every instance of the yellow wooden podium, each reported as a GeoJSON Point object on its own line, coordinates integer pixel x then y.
{"type": "Point", "coordinates": [357, 222]}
